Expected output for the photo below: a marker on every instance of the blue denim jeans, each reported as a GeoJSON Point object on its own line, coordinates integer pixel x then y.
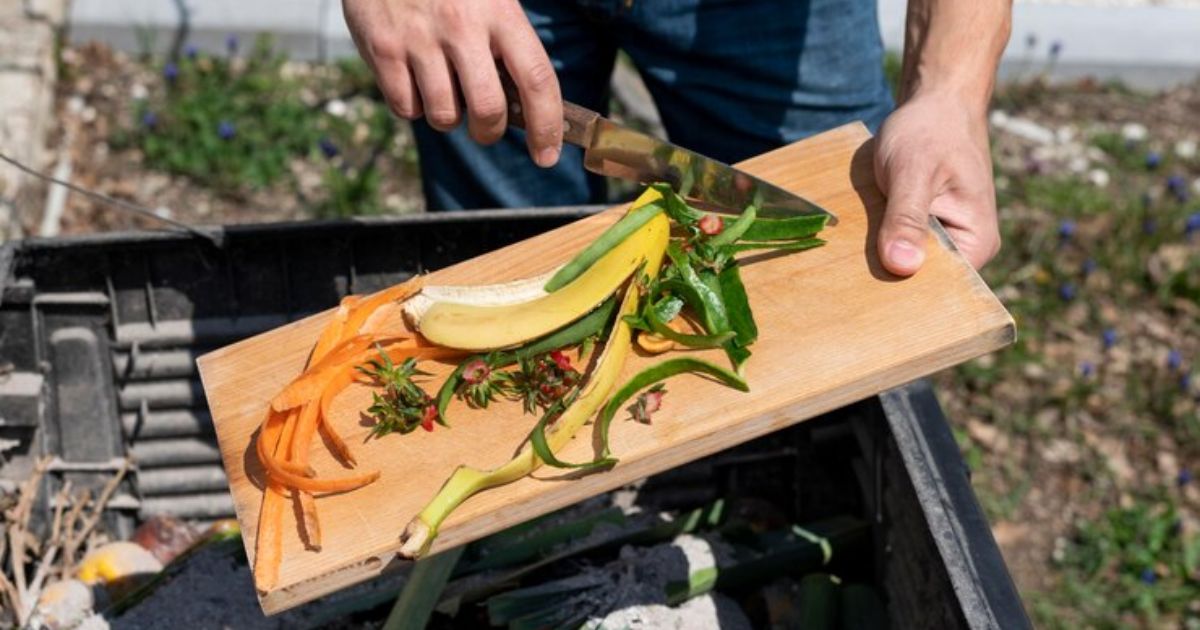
{"type": "Point", "coordinates": [731, 79]}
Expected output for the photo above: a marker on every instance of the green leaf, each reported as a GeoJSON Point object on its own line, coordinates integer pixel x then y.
{"type": "Point", "coordinates": [737, 305]}
{"type": "Point", "coordinates": [610, 238]}
{"type": "Point", "coordinates": [422, 591]}
{"type": "Point", "coordinates": [785, 246]}
{"type": "Point", "coordinates": [651, 376]}
{"type": "Point", "coordinates": [785, 229]}
{"type": "Point", "coordinates": [735, 230]}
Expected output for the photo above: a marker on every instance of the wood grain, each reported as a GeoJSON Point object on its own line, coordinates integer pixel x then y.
{"type": "Point", "coordinates": [835, 328]}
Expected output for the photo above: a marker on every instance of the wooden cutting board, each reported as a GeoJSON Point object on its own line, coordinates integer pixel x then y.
{"type": "Point", "coordinates": [834, 328]}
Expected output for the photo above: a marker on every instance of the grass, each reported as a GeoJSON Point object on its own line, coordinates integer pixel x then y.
{"type": "Point", "coordinates": [1104, 282]}
{"type": "Point", "coordinates": [244, 122]}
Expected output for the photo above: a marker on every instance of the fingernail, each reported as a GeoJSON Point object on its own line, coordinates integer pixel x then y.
{"type": "Point", "coordinates": [547, 157]}
{"type": "Point", "coordinates": [905, 255]}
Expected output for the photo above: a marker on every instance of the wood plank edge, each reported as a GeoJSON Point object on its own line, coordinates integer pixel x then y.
{"type": "Point", "coordinates": [1001, 333]}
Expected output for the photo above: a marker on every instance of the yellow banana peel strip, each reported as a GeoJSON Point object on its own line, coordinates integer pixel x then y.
{"type": "Point", "coordinates": [481, 326]}
{"type": "Point", "coordinates": [467, 481]}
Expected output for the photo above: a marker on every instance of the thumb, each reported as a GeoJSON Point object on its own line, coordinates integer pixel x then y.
{"type": "Point", "coordinates": [905, 228]}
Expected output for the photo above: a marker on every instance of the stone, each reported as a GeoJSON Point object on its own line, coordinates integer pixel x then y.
{"type": "Point", "coordinates": [62, 605]}
{"type": "Point", "coordinates": [1185, 149]}
{"type": "Point", "coordinates": [1134, 132]}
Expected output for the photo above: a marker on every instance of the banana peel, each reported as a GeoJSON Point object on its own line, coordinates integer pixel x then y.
{"type": "Point", "coordinates": [467, 481]}
{"type": "Point", "coordinates": [470, 324]}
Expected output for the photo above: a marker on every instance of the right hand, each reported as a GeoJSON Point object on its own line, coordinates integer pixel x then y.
{"type": "Point", "coordinates": [421, 49]}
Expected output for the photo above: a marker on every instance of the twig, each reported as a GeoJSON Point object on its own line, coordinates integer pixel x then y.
{"type": "Point", "coordinates": [14, 598]}
{"type": "Point", "coordinates": [51, 554]}
{"type": "Point", "coordinates": [215, 239]}
{"type": "Point", "coordinates": [98, 505]}
{"type": "Point", "coordinates": [70, 548]}
{"type": "Point", "coordinates": [18, 530]}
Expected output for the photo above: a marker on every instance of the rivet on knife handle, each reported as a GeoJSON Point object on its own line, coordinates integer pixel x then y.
{"type": "Point", "coordinates": [578, 122]}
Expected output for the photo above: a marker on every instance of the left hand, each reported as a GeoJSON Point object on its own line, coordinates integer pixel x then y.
{"type": "Point", "coordinates": [932, 159]}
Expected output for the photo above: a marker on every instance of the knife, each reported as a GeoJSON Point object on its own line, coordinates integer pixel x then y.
{"type": "Point", "coordinates": [614, 150]}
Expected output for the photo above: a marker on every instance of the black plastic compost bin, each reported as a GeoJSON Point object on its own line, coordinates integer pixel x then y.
{"type": "Point", "coordinates": [99, 335]}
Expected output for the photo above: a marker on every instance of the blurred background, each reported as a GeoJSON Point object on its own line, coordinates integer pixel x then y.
{"type": "Point", "coordinates": [1082, 438]}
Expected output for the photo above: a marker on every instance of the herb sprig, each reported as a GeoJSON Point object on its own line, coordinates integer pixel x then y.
{"type": "Point", "coordinates": [403, 405]}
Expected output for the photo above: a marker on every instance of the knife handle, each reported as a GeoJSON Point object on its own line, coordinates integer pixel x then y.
{"type": "Point", "coordinates": [579, 122]}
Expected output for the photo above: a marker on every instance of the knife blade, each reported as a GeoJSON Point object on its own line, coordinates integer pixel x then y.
{"type": "Point", "coordinates": [613, 150]}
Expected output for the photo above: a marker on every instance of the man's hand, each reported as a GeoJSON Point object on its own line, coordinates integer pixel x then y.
{"type": "Point", "coordinates": [932, 159]}
{"type": "Point", "coordinates": [424, 51]}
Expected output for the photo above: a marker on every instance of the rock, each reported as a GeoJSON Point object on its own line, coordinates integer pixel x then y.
{"type": "Point", "coordinates": [1185, 149]}
{"type": "Point", "coordinates": [62, 605]}
{"type": "Point", "coordinates": [1061, 451]}
{"type": "Point", "coordinates": [1113, 452]}
{"type": "Point", "coordinates": [1134, 132]}
{"type": "Point", "coordinates": [986, 435]}
{"type": "Point", "coordinates": [1168, 467]}
{"type": "Point", "coordinates": [1024, 129]}
{"type": "Point", "coordinates": [1008, 533]}
{"type": "Point", "coordinates": [336, 108]}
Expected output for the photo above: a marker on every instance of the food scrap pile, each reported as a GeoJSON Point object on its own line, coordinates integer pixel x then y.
{"type": "Point", "coordinates": [665, 274]}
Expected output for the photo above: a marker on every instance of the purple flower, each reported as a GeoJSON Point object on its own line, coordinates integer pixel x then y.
{"type": "Point", "coordinates": [1055, 49]}
{"type": "Point", "coordinates": [1185, 382]}
{"type": "Point", "coordinates": [1087, 369]}
{"type": "Point", "coordinates": [149, 120]}
{"type": "Point", "coordinates": [1174, 360]}
{"type": "Point", "coordinates": [226, 130]}
{"type": "Point", "coordinates": [1066, 229]}
{"type": "Point", "coordinates": [1066, 291]}
{"type": "Point", "coordinates": [231, 44]}
{"type": "Point", "coordinates": [1193, 224]}
{"type": "Point", "coordinates": [1089, 267]}
{"type": "Point", "coordinates": [170, 72]}
{"type": "Point", "coordinates": [1149, 576]}
{"type": "Point", "coordinates": [1153, 159]}
{"type": "Point", "coordinates": [1177, 186]}
{"type": "Point", "coordinates": [328, 148]}
{"type": "Point", "coordinates": [1109, 338]}
{"type": "Point", "coordinates": [1184, 477]}
{"type": "Point", "coordinates": [1149, 226]}
{"type": "Point", "coordinates": [190, 51]}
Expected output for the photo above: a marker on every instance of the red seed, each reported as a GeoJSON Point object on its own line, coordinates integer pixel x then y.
{"type": "Point", "coordinates": [711, 224]}
{"type": "Point", "coordinates": [653, 401]}
{"type": "Point", "coordinates": [476, 372]}
{"type": "Point", "coordinates": [431, 414]}
{"type": "Point", "coordinates": [561, 360]}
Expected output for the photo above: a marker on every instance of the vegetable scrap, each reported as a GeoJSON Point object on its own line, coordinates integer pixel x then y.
{"type": "Point", "coordinates": [556, 344]}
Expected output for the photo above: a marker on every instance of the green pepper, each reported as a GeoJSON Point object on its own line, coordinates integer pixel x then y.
{"type": "Point", "coordinates": [709, 305]}
{"type": "Point", "coordinates": [658, 325]}
{"type": "Point", "coordinates": [652, 375]}
{"type": "Point", "coordinates": [735, 230]}
{"type": "Point", "coordinates": [737, 304]}
{"type": "Point", "coordinates": [785, 229]}
{"type": "Point", "coordinates": [784, 246]}
{"type": "Point", "coordinates": [609, 239]}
